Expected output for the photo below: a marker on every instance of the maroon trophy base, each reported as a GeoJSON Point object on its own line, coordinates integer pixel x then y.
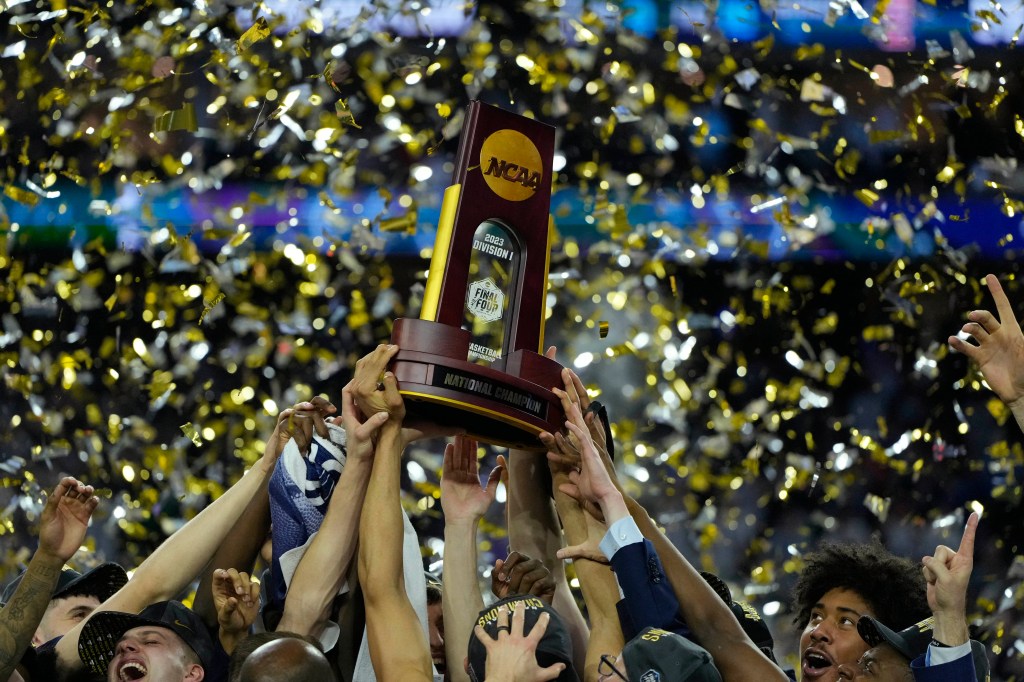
{"type": "Point", "coordinates": [506, 403]}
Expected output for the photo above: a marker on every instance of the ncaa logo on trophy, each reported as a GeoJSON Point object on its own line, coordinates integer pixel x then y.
{"type": "Point", "coordinates": [474, 357]}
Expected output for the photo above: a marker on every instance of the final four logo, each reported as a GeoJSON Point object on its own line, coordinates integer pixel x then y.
{"type": "Point", "coordinates": [485, 300]}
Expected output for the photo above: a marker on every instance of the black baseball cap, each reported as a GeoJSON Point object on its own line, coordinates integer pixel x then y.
{"type": "Point", "coordinates": [554, 647]}
{"type": "Point", "coordinates": [664, 656]}
{"type": "Point", "coordinates": [104, 630]}
{"type": "Point", "coordinates": [913, 641]}
{"type": "Point", "coordinates": [750, 620]}
{"type": "Point", "coordinates": [100, 582]}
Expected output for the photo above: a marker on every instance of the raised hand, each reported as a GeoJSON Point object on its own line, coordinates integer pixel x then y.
{"type": "Point", "coordinates": [1000, 349]}
{"type": "Point", "coordinates": [576, 392]}
{"type": "Point", "coordinates": [512, 656]}
{"type": "Point", "coordinates": [367, 385]}
{"type": "Point", "coordinates": [236, 597]}
{"type": "Point", "coordinates": [947, 574]}
{"type": "Point", "coordinates": [520, 574]}
{"type": "Point", "coordinates": [564, 453]}
{"type": "Point", "coordinates": [592, 479]}
{"type": "Point", "coordinates": [299, 422]}
{"type": "Point", "coordinates": [65, 518]}
{"type": "Point", "coordinates": [565, 458]}
{"type": "Point", "coordinates": [590, 548]}
{"type": "Point", "coordinates": [462, 496]}
{"type": "Point", "coordinates": [359, 431]}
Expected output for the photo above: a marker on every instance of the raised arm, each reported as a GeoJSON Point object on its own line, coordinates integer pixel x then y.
{"type": "Point", "coordinates": [398, 646]}
{"type": "Point", "coordinates": [62, 527]}
{"type": "Point", "coordinates": [534, 530]}
{"type": "Point", "coordinates": [322, 570]}
{"type": "Point", "coordinates": [464, 503]}
{"type": "Point", "coordinates": [712, 622]}
{"type": "Point", "coordinates": [180, 558]}
{"type": "Point", "coordinates": [709, 618]}
{"type": "Point", "coordinates": [947, 574]}
{"type": "Point", "coordinates": [597, 582]}
{"type": "Point", "coordinates": [1000, 350]}
{"type": "Point", "coordinates": [243, 543]}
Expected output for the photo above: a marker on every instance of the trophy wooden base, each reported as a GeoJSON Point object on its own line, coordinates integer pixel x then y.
{"type": "Point", "coordinates": [507, 403]}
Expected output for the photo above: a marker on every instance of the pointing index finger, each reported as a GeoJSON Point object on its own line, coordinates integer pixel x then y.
{"type": "Point", "coordinates": [967, 541]}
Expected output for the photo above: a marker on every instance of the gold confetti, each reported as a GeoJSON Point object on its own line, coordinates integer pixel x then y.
{"type": "Point", "coordinates": [747, 348]}
{"type": "Point", "coordinates": [20, 195]}
{"type": "Point", "coordinates": [345, 114]}
{"type": "Point", "coordinates": [879, 506]}
{"type": "Point", "coordinates": [179, 119]}
{"type": "Point", "coordinates": [257, 32]}
{"type": "Point", "coordinates": [210, 305]}
{"type": "Point", "coordinates": [192, 434]}
{"type": "Point", "coordinates": [404, 223]}
{"type": "Point", "coordinates": [868, 197]}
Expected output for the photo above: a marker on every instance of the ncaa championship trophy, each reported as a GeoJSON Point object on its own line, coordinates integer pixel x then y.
{"type": "Point", "coordinates": [474, 358]}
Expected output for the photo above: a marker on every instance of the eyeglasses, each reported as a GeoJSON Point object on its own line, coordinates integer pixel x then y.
{"type": "Point", "coordinates": [607, 666]}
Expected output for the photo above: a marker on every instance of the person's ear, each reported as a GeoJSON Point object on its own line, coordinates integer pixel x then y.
{"type": "Point", "coordinates": [465, 664]}
{"type": "Point", "coordinates": [37, 638]}
{"type": "Point", "coordinates": [194, 673]}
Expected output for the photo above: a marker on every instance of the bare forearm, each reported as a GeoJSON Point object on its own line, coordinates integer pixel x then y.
{"type": "Point", "coordinates": [20, 617]}
{"type": "Point", "coordinates": [600, 590]}
{"type": "Point", "coordinates": [183, 555]}
{"type": "Point", "coordinates": [238, 551]}
{"type": "Point", "coordinates": [533, 527]}
{"type": "Point", "coordinates": [565, 604]}
{"type": "Point", "coordinates": [179, 558]}
{"type": "Point", "coordinates": [322, 570]}
{"type": "Point", "coordinates": [461, 589]}
{"type": "Point", "coordinates": [398, 646]}
{"type": "Point", "coordinates": [380, 525]}
{"type": "Point", "coordinates": [592, 582]}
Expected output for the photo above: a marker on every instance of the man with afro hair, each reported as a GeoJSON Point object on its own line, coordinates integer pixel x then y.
{"type": "Point", "coordinates": [839, 584]}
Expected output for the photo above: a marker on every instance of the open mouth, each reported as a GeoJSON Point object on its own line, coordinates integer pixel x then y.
{"type": "Point", "coordinates": [816, 664]}
{"type": "Point", "coordinates": [132, 670]}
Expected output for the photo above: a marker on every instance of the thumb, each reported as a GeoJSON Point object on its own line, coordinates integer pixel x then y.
{"type": "Point", "coordinates": [492, 481]}
{"type": "Point", "coordinates": [370, 426]}
{"type": "Point", "coordinates": [572, 490]}
{"type": "Point", "coordinates": [552, 672]}
{"type": "Point", "coordinates": [572, 552]}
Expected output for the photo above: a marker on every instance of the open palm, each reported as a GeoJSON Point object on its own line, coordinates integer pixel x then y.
{"type": "Point", "coordinates": [462, 496]}
{"type": "Point", "coordinates": [65, 518]}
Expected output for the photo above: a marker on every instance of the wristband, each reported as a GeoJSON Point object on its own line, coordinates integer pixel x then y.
{"type": "Point", "coordinates": [940, 645]}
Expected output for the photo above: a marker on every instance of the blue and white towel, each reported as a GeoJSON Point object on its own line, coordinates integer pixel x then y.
{"type": "Point", "coordinates": [300, 490]}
